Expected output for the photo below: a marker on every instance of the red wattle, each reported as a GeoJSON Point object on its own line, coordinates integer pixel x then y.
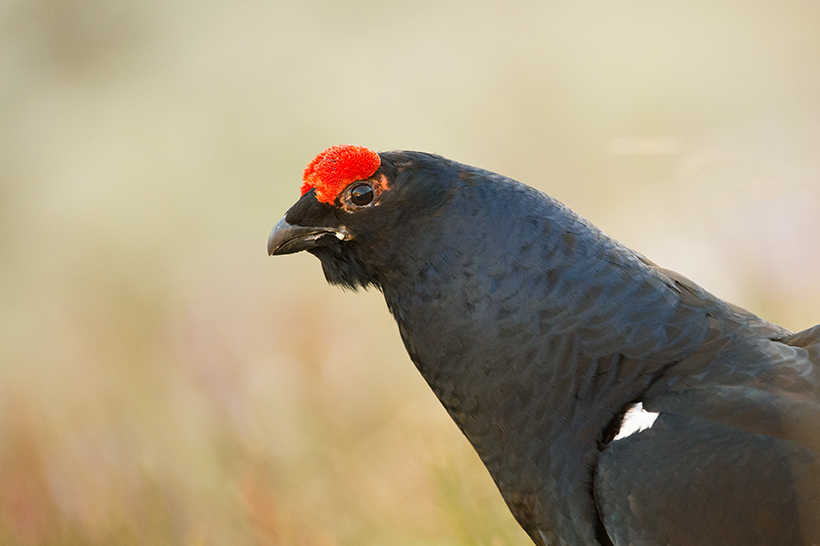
{"type": "Point", "coordinates": [334, 169]}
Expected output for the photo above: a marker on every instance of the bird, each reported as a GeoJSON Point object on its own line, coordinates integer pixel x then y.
{"type": "Point", "coordinates": [613, 402]}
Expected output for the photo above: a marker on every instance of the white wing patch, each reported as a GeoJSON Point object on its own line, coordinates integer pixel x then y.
{"type": "Point", "coordinates": [635, 420]}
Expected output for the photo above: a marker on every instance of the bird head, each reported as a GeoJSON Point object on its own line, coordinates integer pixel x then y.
{"type": "Point", "coordinates": [362, 213]}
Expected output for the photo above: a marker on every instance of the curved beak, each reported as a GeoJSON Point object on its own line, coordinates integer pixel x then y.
{"type": "Point", "coordinates": [287, 239]}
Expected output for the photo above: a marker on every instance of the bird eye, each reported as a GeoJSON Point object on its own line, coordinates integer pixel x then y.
{"type": "Point", "coordinates": [361, 195]}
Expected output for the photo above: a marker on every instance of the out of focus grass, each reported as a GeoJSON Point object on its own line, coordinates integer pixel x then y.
{"type": "Point", "coordinates": [163, 382]}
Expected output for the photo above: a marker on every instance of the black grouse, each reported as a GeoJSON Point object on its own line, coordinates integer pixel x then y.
{"type": "Point", "coordinates": [611, 400]}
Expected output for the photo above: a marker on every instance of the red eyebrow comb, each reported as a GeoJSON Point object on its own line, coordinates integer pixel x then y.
{"type": "Point", "coordinates": [332, 170]}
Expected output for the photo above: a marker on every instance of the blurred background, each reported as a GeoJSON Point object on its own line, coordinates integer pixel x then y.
{"type": "Point", "coordinates": [162, 381]}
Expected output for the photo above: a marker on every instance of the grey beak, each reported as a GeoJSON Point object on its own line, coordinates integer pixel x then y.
{"type": "Point", "coordinates": [287, 239]}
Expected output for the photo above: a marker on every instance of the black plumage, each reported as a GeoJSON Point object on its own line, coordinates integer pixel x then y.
{"type": "Point", "coordinates": [538, 333]}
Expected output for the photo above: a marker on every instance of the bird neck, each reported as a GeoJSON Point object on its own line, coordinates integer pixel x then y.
{"type": "Point", "coordinates": [534, 346]}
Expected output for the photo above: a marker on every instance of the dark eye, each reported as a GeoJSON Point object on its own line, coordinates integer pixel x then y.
{"type": "Point", "coordinates": [361, 195]}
